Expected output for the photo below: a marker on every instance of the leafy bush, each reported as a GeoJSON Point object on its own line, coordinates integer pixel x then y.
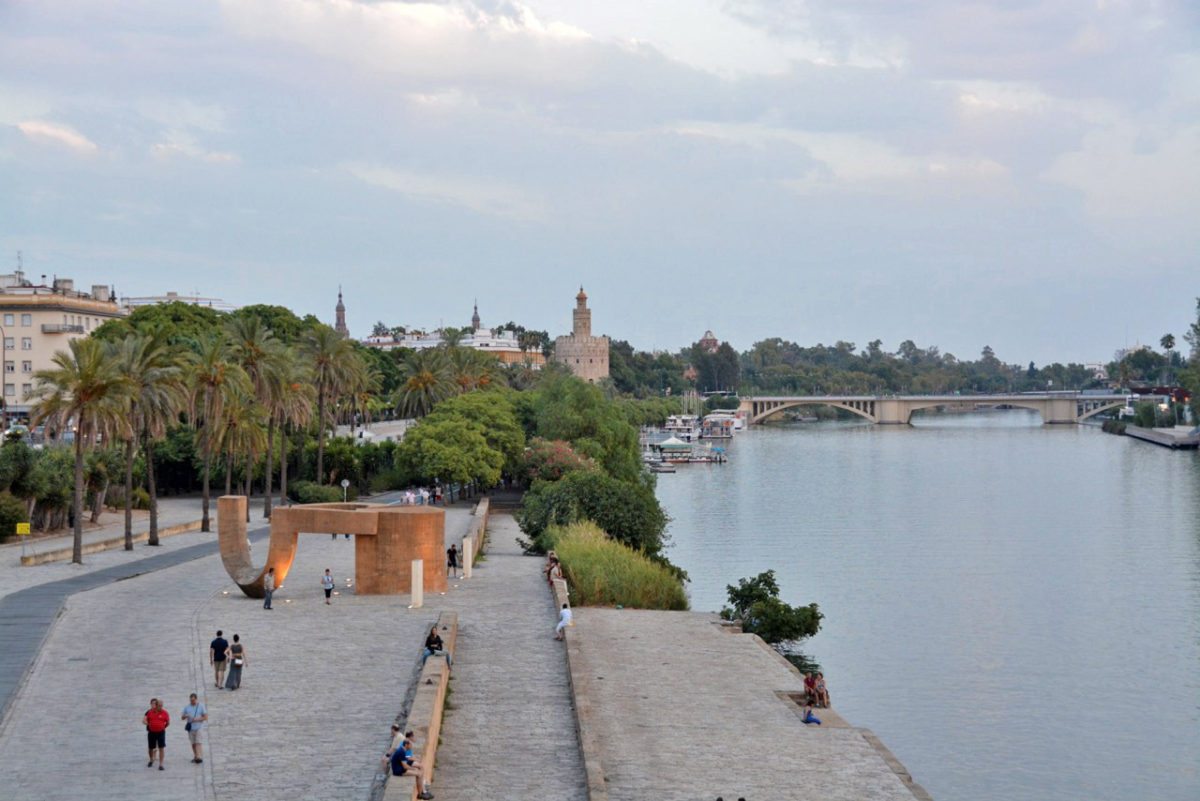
{"type": "Point", "coordinates": [602, 572]}
{"type": "Point", "coordinates": [550, 460]}
{"type": "Point", "coordinates": [627, 511]}
{"type": "Point", "coordinates": [12, 511]}
{"type": "Point", "coordinates": [755, 602]}
{"type": "Point", "coordinates": [312, 492]}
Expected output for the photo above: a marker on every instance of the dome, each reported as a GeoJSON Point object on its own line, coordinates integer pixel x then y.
{"type": "Point", "coordinates": [582, 295]}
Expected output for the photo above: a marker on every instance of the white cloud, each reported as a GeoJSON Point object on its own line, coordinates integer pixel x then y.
{"type": "Point", "coordinates": [181, 144]}
{"type": "Point", "coordinates": [41, 131]}
{"type": "Point", "coordinates": [482, 197]}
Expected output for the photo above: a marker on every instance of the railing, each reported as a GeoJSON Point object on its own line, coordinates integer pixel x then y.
{"type": "Point", "coordinates": [61, 328]}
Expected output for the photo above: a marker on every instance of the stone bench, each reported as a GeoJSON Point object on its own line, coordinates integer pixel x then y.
{"type": "Point", "coordinates": [425, 714]}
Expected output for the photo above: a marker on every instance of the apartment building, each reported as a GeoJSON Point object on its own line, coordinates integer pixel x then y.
{"type": "Point", "coordinates": [37, 319]}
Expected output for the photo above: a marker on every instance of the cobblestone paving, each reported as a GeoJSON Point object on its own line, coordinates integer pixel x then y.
{"type": "Point", "coordinates": [321, 686]}
{"type": "Point", "coordinates": [511, 731]}
{"type": "Point", "coordinates": [685, 711]}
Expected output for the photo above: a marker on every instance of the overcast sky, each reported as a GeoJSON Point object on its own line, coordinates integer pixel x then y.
{"type": "Point", "coordinates": [1004, 172]}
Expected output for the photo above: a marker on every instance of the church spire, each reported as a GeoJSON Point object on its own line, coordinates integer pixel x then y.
{"type": "Point", "coordinates": [339, 324]}
{"type": "Point", "coordinates": [475, 317]}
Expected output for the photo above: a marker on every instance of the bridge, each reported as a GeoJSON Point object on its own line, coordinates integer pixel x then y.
{"type": "Point", "coordinates": [1054, 407]}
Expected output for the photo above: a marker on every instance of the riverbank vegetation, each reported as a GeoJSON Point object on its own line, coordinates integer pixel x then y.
{"type": "Point", "coordinates": [600, 571]}
{"type": "Point", "coordinates": [755, 603]}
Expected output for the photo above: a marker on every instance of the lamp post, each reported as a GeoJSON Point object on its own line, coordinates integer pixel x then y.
{"type": "Point", "coordinates": [345, 486]}
{"type": "Point", "coordinates": [4, 398]}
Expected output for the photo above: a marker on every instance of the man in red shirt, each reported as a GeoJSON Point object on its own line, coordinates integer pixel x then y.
{"type": "Point", "coordinates": [157, 720]}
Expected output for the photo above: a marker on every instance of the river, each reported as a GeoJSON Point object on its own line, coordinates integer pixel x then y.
{"type": "Point", "coordinates": [1013, 608]}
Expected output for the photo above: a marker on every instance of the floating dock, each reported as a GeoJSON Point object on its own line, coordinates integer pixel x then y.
{"type": "Point", "coordinates": [1173, 438]}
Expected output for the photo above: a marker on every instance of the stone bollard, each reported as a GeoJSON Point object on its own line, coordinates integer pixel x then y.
{"type": "Point", "coordinates": [468, 556]}
{"type": "Point", "coordinates": [418, 583]}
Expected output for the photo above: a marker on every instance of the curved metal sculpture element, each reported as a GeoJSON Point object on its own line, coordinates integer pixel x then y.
{"type": "Point", "coordinates": [387, 539]}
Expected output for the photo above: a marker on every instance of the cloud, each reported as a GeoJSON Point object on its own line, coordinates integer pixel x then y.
{"type": "Point", "coordinates": [482, 197]}
{"type": "Point", "coordinates": [180, 144]}
{"type": "Point", "coordinates": [41, 131]}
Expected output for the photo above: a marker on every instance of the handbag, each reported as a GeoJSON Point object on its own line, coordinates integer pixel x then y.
{"type": "Point", "coordinates": [195, 710]}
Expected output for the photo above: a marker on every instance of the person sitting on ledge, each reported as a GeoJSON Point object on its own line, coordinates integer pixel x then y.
{"type": "Point", "coordinates": [553, 568]}
{"type": "Point", "coordinates": [404, 765]}
{"type": "Point", "coordinates": [810, 689]}
{"type": "Point", "coordinates": [822, 692]}
{"type": "Point", "coordinates": [434, 645]}
{"type": "Point", "coordinates": [809, 717]}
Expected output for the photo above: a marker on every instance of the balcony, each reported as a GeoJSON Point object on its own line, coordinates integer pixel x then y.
{"type": "Point", "coordinates": [61, 328]}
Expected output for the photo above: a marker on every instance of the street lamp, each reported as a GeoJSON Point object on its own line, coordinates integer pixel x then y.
{"type": "Point", "coordinates": [345, 486]}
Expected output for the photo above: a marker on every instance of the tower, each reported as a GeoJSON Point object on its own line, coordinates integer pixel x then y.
{"type": "Point", "coordinates": [339, 324]}
{"type": "Point", "coordinates": [475, 318]}
{"type": "Point", "coordinates": [582, 316]}
{"type": "Point", "coordinates": [584, 354]}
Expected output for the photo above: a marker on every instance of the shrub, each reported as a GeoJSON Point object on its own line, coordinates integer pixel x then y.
{"type": "Point", "coordinates": [628, 511]}
{"type": "Point", "coordinates": [602, 572]}
{"type": "Point", "coordinates": [312, 492]}
{"type": "Point", "coordinates": [12, 511]}
{"type": "Point", "coordinates": [550, 460]}
{"type": "Point", "coordinates": [755, 602]}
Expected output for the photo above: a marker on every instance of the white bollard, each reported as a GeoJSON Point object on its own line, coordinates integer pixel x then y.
{"type": "Point", "coordinates": [468, 556]}
{"type": "Point", "coordinates": [418, 583]}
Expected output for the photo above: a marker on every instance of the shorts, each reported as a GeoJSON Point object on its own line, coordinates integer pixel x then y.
{"type": "Point", "coordinates": [219, 665]}
{"type": "Point", "coordinates": [328, 592]}
{"type": "Point", "coordinates": [156, 739]}
{"type": "Point", "coordinates": [194, 735]}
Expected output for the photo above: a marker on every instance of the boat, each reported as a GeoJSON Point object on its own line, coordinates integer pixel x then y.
{"type": "Point", "coordinates": [718, 425]}
{"type": "Point", "coordinates": [683, 426]}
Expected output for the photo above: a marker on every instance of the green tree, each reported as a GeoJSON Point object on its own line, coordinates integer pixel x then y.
{"type": "Point", "coordinates": [626, 511]}
{"type": "Point", "coordinates": [331, 357]}
{"type": "Point", "coordinates": [450, 449]}
{"type": "Point", "coordinates": [569, 409]}
{"type": "Point", "coordinates": [263, 359]}
{"type": "Point", "coordinates": [181, 324]}
{"type": "Point", "coordinates": [755, 602]}
{"type": "Point", "coordinates": [495, 416]}
{"type": "Point", "coordinates": [425, 382]}
{"type": "Point", "coordinates": [83, 393]}
{"type": "Point", "coordinates": [213, 378]}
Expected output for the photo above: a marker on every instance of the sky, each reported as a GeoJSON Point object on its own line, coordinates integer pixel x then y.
{"type": "Point", "coordinates": [1019, 174]}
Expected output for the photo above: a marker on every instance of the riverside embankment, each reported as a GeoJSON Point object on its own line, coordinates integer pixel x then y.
{"type": "Point", "coordinates": [675, 706]}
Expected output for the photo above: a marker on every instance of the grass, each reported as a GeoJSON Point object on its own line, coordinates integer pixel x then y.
{"type": "Point", "coordinates": [603, 572]}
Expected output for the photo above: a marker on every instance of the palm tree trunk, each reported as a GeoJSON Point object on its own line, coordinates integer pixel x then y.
{"type": "Point", "coordinates": [229, 473]}
{"type": "Point", "coordinates": [249, 480]}
{"type": "Point", "coordinates": [204, 521]}
{"type": "Point", "coordinates": [98, 500]}
{"type": "Point", "coordinates": [152, 489]}
{"type": "Point", "coordinates": [77, 501]}
{"type": "Point", "coordinates": [129, 495]}
{"type": "Point", "coordinates": [267, 479]}
{"type": "Point", "coordinates": [321, 431]}
{"type": "Point", "coordinates": [283, 459]}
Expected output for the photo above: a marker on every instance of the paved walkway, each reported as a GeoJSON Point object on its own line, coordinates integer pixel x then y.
{"type": "Point", "coordinates": [511, 730]}
{"type": "Point", "coordinates": [322, 683]}
{"type": "Point", "coordinates": [686, 711]}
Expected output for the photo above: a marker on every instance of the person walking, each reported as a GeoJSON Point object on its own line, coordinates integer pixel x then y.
{"type": "Point", "coordinates": [564, 620]}
{"type": "Point", "coordinates": [452, 559]}
{"type": "Point", "coordinates": [218, 657]}
{"type": "Point", "coordinates": [156, 721]}
{"type": "Point", "coordinates": [237, 661]}
{"type": "Point", "coordinates": [196, 716]}
{"type": "Point", "coordinates": [268, 587]}
{"type": "Point", "coordinates": [327, 584]}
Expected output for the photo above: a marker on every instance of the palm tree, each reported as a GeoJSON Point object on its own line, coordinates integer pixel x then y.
{"type": "Point", "coordinates": [330, 356]}
{"type": "Point", "coordinates": [156, 398]}
{"type": "Point", "coordinates": [212, 379]}
{"type": "Point", "coordinates": [293, 409]}
{"type": "Point", "coordinates": [85, 391]}
{"type": "Point", "coordinates": [262, 356]}
{"type": "Point", "coordinates": [242, 432]}
{"type": "Point", "coordinates": [424, 382]}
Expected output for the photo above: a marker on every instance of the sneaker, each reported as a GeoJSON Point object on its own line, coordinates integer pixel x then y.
{"type": "Point", "coordinates": [425, 795]}
{"type": "Point", "coordinates": [160, 767]}
{"type": "Point", "coordinates": [150, 764]}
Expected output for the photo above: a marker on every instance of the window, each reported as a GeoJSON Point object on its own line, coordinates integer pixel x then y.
{"type": "Point", "coordinates": [26, 390]}
{"type": "Point", "coordinates": [9, 343]}
{"type": "Point", "coordinates": [26, 343]}
{"type": "Point", "coordinates": [10, 390]}
{"type": "Point", "coordinates": [26, 320]}
{"type": "Point", "coordinates": [9, 367]}
{"type": "Point", "coordinates": [26, 367]}
{"type": "Point", "coordinates": [9, 319]}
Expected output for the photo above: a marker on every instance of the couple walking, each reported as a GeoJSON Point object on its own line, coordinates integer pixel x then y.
{"type": "Point", "coordinates": [226, 657]}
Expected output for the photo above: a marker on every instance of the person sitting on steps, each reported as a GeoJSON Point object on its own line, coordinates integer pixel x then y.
{"type": "Point", "coordinates": [434, 645]}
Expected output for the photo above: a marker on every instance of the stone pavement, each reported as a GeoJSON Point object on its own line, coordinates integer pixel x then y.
{"type": "Point", "coordinates": [321, 686]}
{"type": "Point", "coordinates": [510, 730]}
{"type": "Point", "coordinates": [686, 711]}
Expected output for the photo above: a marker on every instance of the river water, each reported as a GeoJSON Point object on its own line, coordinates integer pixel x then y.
{"type": "Point", "coordinates": [1013, 608]}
